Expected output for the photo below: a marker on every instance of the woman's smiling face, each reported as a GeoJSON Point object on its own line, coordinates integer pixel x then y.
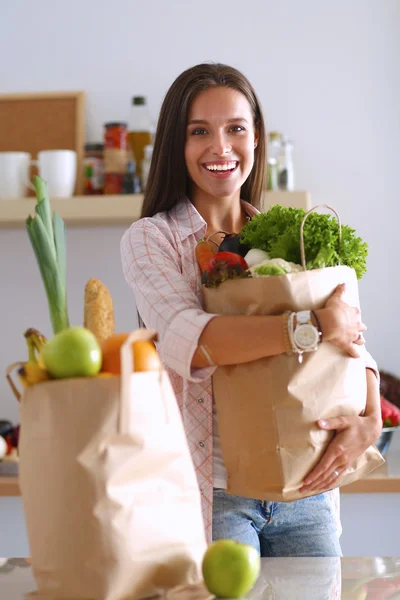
{"type": "Point", "coordinates": [220, 142]}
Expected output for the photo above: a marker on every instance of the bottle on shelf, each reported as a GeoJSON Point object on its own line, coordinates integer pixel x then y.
{"type": "Point", "coordinates": [285, 165]}
{"type": "Point", "coordinates": [274, 147]}
{"type": "Point", "coordinates": [131, 182]}
{"type": "Point", "coordinates": [148, 153]}
{"type": "Point", "coordinates": [116, 156]}
{"type": "Point", "coordinates": [139, 130]}
{"type": "Point", "coordinates": [93, 173]}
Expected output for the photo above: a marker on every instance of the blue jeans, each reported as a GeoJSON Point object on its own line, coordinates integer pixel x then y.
{"type": "Point", "coordinates": [305, 527]}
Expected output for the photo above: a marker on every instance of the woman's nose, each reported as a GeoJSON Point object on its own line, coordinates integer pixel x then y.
{"type": "Point", "coordinates": [220, 144]}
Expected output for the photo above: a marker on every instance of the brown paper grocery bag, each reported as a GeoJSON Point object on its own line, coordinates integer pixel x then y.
{"type": "Point", "coordinates": [267, 409]}
{"type": "Point", "coordinates": [109, 490]}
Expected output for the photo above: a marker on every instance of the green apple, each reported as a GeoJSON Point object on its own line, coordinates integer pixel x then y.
{"type": "Point", "coordinates": [230, 569]}
{"type": "Point", "coordinates": [73, 352]}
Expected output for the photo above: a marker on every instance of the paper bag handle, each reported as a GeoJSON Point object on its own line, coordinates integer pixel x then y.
{"type": "Point", "coordinates": [13, 387]}
{"type": "Point", "coordinates": [302, 252]}
{"type": "Point", "coordinates": [127, 368]}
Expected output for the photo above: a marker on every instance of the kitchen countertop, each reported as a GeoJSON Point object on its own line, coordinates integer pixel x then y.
{"type": "Point", "coordinates": [280, 578]}
{"type": "Point", "coordinates": [385, 479]}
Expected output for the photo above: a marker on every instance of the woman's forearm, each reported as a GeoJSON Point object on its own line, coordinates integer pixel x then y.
{"type": "Point", "coordinates": [240, 339]}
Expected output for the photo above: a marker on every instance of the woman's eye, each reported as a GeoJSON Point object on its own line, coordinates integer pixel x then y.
{"type": "Point", "coordinates": [237, 128]}
{"type": "Point", "coordinates": [199, 131]}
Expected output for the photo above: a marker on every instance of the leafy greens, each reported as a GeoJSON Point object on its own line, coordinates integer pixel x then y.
{"type": "Point", "coordinates": [278, 233]}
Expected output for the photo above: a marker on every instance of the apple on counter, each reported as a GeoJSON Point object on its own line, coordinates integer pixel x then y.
{"type": "Point", "coordinates": [230, 569]}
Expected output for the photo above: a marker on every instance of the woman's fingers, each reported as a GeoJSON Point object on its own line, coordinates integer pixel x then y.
{"type": "Point", "coordinates": [335, 423]}
{"type": "Point", "coordinates": [347, 323]}
{"type": "Point", "coordinates": [340, 289]}
{"type": "Point", "coordinates": [324, 469]}
{"type": "Point", "coordinates": [326, 482]}
{"type": "Point", "coordinates": [333, 462]}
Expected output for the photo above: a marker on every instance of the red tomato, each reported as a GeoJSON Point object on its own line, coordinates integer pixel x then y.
{"type": "Point", "coordinates": [390, 413]}
{"type": "Point", "coordinates": [228, 258]}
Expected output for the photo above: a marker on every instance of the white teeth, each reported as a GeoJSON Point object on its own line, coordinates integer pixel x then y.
{"type": "Point", "coordinates": [225, 167]}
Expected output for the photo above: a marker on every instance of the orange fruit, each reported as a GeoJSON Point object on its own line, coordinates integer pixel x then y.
{"type": "Point", "coordinates": [145, 355]}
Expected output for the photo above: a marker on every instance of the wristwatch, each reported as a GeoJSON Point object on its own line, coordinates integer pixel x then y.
{"type": "Point", "coordinates": [305, 335]}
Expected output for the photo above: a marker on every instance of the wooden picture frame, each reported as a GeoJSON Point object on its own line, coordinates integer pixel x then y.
{"type": "Point", "coordinates": [32, 122]}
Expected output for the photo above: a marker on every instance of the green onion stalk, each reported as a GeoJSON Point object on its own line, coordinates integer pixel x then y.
{"type": "Point", "coordinates": [48, 238]}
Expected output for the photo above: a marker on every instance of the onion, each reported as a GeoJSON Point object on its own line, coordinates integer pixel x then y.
{"type": "Point", "coordinates": [255, 257]}
{"type": "Point", "coordinates": [3, 447]}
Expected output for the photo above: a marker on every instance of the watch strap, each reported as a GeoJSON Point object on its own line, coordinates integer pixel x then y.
{"type": "Point", "coordinates": [303, 316]}
{"type": "Point", "coordinates": [318, 324]}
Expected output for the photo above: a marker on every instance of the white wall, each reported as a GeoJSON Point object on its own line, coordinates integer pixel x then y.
{"type": "Point", "coordinates": [327, 75]}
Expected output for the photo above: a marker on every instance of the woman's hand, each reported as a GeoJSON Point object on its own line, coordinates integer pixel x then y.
{"type": "Point", "coordinates": [353, 436]}
{"type": "Point", "coordinates": [341, 324]}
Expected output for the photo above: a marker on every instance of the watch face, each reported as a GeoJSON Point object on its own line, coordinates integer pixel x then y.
{"type": "Point", "coordinates": [306, 337]}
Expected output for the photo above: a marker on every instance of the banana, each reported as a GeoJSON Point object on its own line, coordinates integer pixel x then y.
{"type": "Point", "coordinates": [32, 371]}
{"type": "Point", "coordinates": [38, 339]}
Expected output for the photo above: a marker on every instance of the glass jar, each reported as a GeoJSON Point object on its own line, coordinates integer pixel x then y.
{"type": "Point", "coordinates": [93, 174]}
{"type": "Point", "coordinates": [115, 156]}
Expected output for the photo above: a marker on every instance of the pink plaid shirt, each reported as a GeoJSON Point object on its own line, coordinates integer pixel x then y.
{"type": "Point", "coordinates": [159, 263]}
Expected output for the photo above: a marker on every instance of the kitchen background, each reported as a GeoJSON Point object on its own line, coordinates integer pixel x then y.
{"type": "Point", "coordinates": [327, 74]}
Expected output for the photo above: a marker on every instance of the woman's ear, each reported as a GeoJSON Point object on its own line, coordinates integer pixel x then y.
{"type": "Point", "coordinates": [256, 138]}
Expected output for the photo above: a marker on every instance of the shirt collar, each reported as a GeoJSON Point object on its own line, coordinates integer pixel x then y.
{"type": "Point", "coordinates": [190, 222]}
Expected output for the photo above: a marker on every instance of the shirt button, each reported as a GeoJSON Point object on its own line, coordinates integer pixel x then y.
{"type": "Point", "coordinates": [200, 400]}
{"type": "Point", "coordinates": [201, 444]}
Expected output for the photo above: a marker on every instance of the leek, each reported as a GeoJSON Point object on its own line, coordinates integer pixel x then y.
{"type": "Point", "coordinates": [48, 240]}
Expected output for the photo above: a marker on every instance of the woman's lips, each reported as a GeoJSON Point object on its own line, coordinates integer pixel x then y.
{"type": "Point", "coordinates": [221, 169]}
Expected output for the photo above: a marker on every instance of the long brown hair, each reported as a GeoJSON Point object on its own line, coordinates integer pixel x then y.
{"type": "Point", "coordinates": [168, 180]}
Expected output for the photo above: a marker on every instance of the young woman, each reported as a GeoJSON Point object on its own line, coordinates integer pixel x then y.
{"type": "Point", "coordinates": [207, 175]}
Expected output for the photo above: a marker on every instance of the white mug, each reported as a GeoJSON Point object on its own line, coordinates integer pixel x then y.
{"type": "Point", "coordinates": [58, 169]}
{"type": "Point", "coordinates": [14, 174]}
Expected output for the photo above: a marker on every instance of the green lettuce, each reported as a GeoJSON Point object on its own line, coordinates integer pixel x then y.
{"type": "Point", "coordinates": [278, 233]}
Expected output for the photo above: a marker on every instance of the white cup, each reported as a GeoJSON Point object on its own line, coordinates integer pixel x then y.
{"type": "Point", "coordinates": [14, 174]}
{"type": "Point", "coordinates": [58, 169]}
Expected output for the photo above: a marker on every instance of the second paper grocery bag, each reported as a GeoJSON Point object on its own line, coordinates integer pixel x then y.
{"type": "Point", "coordinates": [109, 490]}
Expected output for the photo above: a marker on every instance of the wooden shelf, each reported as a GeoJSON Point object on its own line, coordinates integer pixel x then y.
{"type": "Point", "coordinates": [385, 479]}
{"type": "Point", "coordinates": [77, 210]}
{"type": "Point", "coordinates": [112, 210]}
{"type": "Point", "coordinates": [9, 487]}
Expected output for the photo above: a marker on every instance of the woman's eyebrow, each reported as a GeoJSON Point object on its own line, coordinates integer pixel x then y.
{"type": "Point", "coordinates": [204, 122]}
{"type": "Point", "coordinates": [197, 122]}
{"type": "Point", "coordinates": [241, 119]}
